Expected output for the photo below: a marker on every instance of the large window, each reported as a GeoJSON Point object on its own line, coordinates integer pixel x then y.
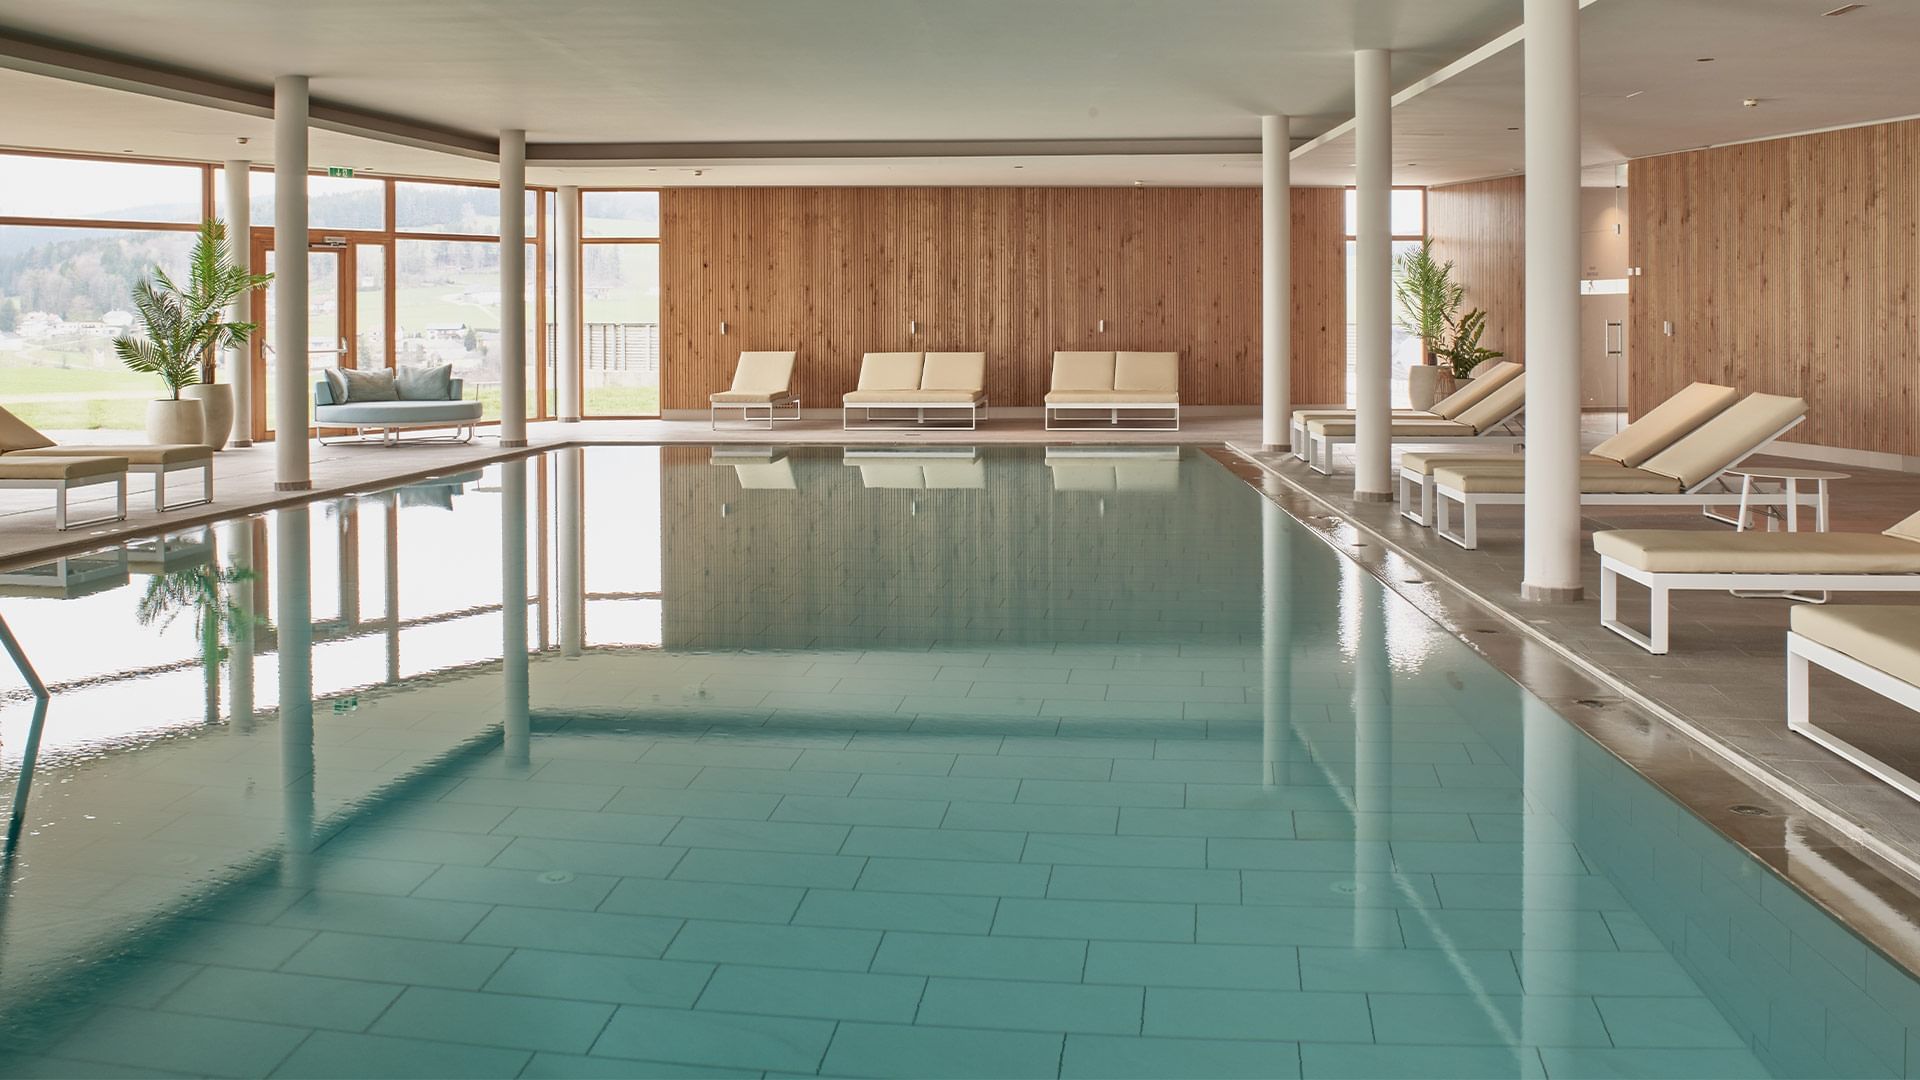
{"type": "Point", "coordinates": [620, 303]}
{"type": "Point", "coordinates": [1408, 218]}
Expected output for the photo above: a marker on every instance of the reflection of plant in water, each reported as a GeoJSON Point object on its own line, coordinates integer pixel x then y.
{"type": "Point", "coordinates": [204, 590]}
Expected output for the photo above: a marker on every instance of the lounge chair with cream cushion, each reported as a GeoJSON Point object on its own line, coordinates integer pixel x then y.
{"type": "Point", "coordinates": [1874, 645]}
{"type": "Point", "coordinates": [20, 440]}
{"type": "Point", "coordinates": [1687, 473]}
{"type": "Point", "coordinates": [1489, 421]}
{"type": "Point", "coordinates": [61, 475]}
{"type": "Point", "coordinates": [1476, 389]}
{"type": "Point", "coordinates": [1661, 427]}
{"type": "Point", "coordinates": [1114, 383]}
{"type": "Point", "coordinates": [1790, 564]}
{"type": "Point", "coordinates": [762, 382]}
{"type": "Point", "coordinates": [943, 383]}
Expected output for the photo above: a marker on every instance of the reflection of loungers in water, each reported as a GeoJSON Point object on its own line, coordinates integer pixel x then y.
{"type": "Point", "coordinates": [68, 578]}
{"type": "Point", "coordinates": [1114, 469]}
{"type": "Point", "coordinates": [757, 468]}
{"type": "Point", "coordinates": [957, 468]}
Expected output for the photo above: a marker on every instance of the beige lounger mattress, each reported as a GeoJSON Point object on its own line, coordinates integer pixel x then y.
{"type": "Point", "coordinates": [1596, 478]}
{"type": "Point", "coordinates": [1884, 636]}
{"type": "Point", "coordinates": [23, 466]}
{"type": "Point", "coordinates": [166, 454]}
{"type": "Point", "coordinates": [1701, 551]}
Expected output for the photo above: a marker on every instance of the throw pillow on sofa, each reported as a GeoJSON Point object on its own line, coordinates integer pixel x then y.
{"type": "Point", "coordinates": [350, 385]}
{"type": "Point", "coordinates": [424, 382]}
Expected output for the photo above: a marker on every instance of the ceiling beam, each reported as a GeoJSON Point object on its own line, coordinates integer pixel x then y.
{"type": "Point", "coordinates": [714, 153]}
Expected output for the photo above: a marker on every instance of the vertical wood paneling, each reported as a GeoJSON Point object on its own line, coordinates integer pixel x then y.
{"type": "Point", "coordinates": [1785, 267]}
{"type": "Point", "coordinates": [1482, 228]}
{"type": "Point", "coordinates": [1017, 272]}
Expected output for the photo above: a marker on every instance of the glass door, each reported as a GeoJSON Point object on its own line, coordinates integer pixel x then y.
{"type": "Point", "coordinates": [329, 312]}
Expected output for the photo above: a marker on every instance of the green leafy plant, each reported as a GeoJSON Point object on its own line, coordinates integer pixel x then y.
{"type": "Point", "coordinates": [182, 327]}
{"type": "Point", "coordinates": [1463, 352]}
{"type": "Point", "coordinates": [1427, 295]}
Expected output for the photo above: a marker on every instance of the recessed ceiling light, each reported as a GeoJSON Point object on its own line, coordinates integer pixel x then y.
{"type": "Point", "coordinates": [1413, 164]}
{"type": "Point", "coordinates": [1751, 103]}
{"type": "Point", "coordinates": [1843, 9]}
{"type": "Point", "coordinates": [1019, 166]}
{"type": "Point", "coordinates": [1515, 128]}
{"type": "Point", "coordinates": [1704, 59]}
{"type": "Point", "coordinates": [1139, 183]}
{"type": "Point", "coordinates": [1635, 94]}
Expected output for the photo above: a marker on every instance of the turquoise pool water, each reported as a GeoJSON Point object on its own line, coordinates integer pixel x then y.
{"type": "Point", "coordinates": [998, 764]}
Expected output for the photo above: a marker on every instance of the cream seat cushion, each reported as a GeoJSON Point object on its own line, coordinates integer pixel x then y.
{"type": "Point", "coordinates": [1883, 636]}
{"type": "Point", "coordinates": [17, 434]}
{"type": "Point", "coordinates": [1614, 480]}
{"type": "Point", "coordinates": [1699, 551]}
{"type": "Point", "coordinates": [1402, 429]}
{"type": "Point", "coordinates": [1109, 397]}
{"type": "Point", "coordinates": [1489, 411]}
{"type": "Point", "coordinates": [1082, 371]}
{"type": "Point", "coordinates": [1303, 416]}
{"type": "Point", "coordinates": [891, 371]}
{"type": "Point", "coordinates": [1476, 390]}
{"type": "Point", "coordinates": [954, 371]}
{"type": "Point", "coordinates": [31, 467]}
{"type": "Point", "coordinates": [768, 374]}
{"type": "Point", "coordinates": [1724, 440]}
{"type": "Point", "coordinates": [1425, 462]}
{"type": "Point", "coordinates": [1667, 422]}
{"type": "Point", "coordinates": [750, 397]}
{"type": "Point", "coordinates": [1148, 372]}
{"type": "Point", "coordinates": [167, 454]}
{"type": "Point", "coordinates": [912, 397]}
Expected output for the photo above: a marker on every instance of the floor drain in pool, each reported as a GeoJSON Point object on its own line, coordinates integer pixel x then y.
{"type": "Point", "coordinates": [555, 877]}
{"type": "Point", "coordinates": [1348, 888]}
{"type": "Point", "coordinates": [1748, 810]}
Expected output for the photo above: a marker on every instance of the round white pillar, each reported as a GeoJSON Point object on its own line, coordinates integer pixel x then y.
{"type": "Point", "coordinates": [1551, 564]}
{"type": "Point", "coordinates": [1276, 282]}
{"type": "Point", "coordinates": [567, 309]}
{"type": "Point", "coordinates": [291, 466]}
{"type": "Point", "coordinates": [1373, 256]}
{"type": "Point", "coordinates": [571, 469]}
{"type": "Point", "coordinates": [513, 288]}
{"type": "Point", "coordinates": [237, 177]}
{"type": "Point", "coordinates": [513, 611]}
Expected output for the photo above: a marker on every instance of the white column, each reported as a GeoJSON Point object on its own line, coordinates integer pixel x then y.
{"type": "Point", "coordinates": [513, 610]}
{"type": "Point", "coordinates": [567, 309]}
{"type": "Point", "coordinates": [237, 177]}
{"type": "Point", "coordinates": [1276, 281]}
{"type": "Point", "coordinates": [513, 288]}
{"type": "Point", "coordinates": [1551, 567]}
{"type": "Point", "coordinates": [1373, 255]}
{"type": "Point", "coordinates": [573, 587]}
{"type": "Point", "coordinates": [291, 470]}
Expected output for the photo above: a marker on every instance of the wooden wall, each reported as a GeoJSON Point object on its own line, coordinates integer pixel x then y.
{"type": "Point", "coordinates": [1017, 272]}
{"type": "Point", "coordinates": [1788, 267]}
{"type": "Point", "coordinates": [1482, 227]}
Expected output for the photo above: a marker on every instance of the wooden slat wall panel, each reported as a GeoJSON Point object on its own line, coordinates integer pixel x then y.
{"type": "Point", "coordinates": [1482, 227]}
{"type": "Point", "coordinates": [1788, 267]}
{"type": "Point", "coordinates": [1017, 272]}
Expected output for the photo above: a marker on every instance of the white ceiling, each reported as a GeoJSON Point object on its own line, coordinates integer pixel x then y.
{"type": "Point", "coordinates": [731, 72]}
{"type": "Point", "coordinates": [1808, 72]}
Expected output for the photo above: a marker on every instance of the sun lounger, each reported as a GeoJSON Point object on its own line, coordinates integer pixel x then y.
{"type": "Point", "coordinates": [1875, 646]}
{"type": "Point", "coordinates": [1472, 393]}
{"type": "Point", "coordinates": [1490, 421]}
{"type": "Point", "coordinates": [943, 383]}
{"type": "Point", "coordinates": [20, 440]}
{"type": "Point", "coordinates": [762, 382]}
{"type": "Point", "coordinates": [1112, 383]}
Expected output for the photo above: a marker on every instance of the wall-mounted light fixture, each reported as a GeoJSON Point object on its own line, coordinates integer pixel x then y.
{"type": "Point", "coordinates": [913, 326]}
{"type": "Point", "coordinates": [723, 327]}
{"type": "Point", "coordinates": [1103, 326]}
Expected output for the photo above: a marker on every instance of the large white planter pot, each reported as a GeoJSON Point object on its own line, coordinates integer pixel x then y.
{"type": "Point", "coordinates": [216, 402]}
{"type": "Point", "coordinates": [1423, 385]}
{"type": "Point", "coordinates": [176, 422]}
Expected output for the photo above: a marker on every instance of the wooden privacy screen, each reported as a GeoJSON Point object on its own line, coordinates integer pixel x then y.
{"type": "Point", "coordinates": [1014, 272]}
{"type": "Point", "coordinates": [1482, 228]}
{"type": "Point", "coordinates": [1789, 267]}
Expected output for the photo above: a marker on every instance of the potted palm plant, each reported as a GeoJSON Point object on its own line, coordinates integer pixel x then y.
{"type": "Point", "coordinates": [1428, 298]}
{"type": "Point", "coordinates": [1463, 353]}
{"type": "Point", "coordinates": [181, 330]}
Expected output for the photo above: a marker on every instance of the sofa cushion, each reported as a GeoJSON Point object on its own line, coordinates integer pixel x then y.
{"type": "Point", "coordinates": [1082, 371]}
{"type": "Point", "coordinates": [1699, 551]}
{"type": "Point", "coordinates": [954, 371]}
{"type": "Point", "coordinates": [1158, 372]}
{"type": "Point", "coordinates": [349, 385]}
{"type": "Point", "coordinates": [1883, 636]}
{"type": "Point", "coordinates": [17, 434]}
{"type": "Point", "coordinates": [890, 371]}
{"type": "Point", "coordinates": [384, 413]}
{"type": "Point", "coordinates": [424, 382]}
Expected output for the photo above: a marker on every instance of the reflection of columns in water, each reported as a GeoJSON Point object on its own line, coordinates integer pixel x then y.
{"type": "Point", "coordinates": [293, 584]}
{"type": "Point", "coordinates": [1549, 784]}
{"type": "Point", "coordinates": [1373, 761]}
{"type": "Point", "coordinates": [1276, 644]}
{"type": "Point", "coordinates": [513, 607]}
{"type": "Point", "coordinates": [391, 513]}
{"type": "Point", "coordinates": [573, 585]}
{"type": "Point", "coordinates": [240, 647]}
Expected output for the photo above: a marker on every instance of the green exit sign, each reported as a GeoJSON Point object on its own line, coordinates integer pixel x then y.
{"type": "Point", "coordinates": [337, 170]}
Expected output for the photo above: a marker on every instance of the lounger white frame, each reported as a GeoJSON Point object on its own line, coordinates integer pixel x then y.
{"type": "Point", "coordinates": [746, 411]}
{"type": "Point", "coordinates": [1697, 495]}
{"type": "Point", "coordinates": [1321, 446]}
{"type": "Point", "coordinates": [159, 474]}
{"type": "Point", "coordinates": [1660, 584]}
{"type": "Point", "coordinates": [1409, 478]}
{"type": "Point", "coordinates": [976, 411]}
{"type": "Point", "coordinates": [61, 487]}
{"type": "Point", "coordinates": [1802, 653]}
{"type": "Point", "coordinates": [1297, 429]}
{"type": "Point", "coordinates": [1113, 409]}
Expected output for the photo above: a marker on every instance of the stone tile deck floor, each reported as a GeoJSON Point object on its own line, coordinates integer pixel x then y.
{"type": "Point", "coordinates": [243, 477]}
{"type": "Point", "coordinates": [1726, 670]}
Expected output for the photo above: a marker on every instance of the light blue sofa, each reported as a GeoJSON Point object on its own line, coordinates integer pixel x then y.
{"type": "Point", "coordinates": [390, 418]}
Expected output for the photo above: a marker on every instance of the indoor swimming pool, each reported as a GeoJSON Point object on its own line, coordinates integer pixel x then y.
{"type": "Point", "coordinates": [743, 761]}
